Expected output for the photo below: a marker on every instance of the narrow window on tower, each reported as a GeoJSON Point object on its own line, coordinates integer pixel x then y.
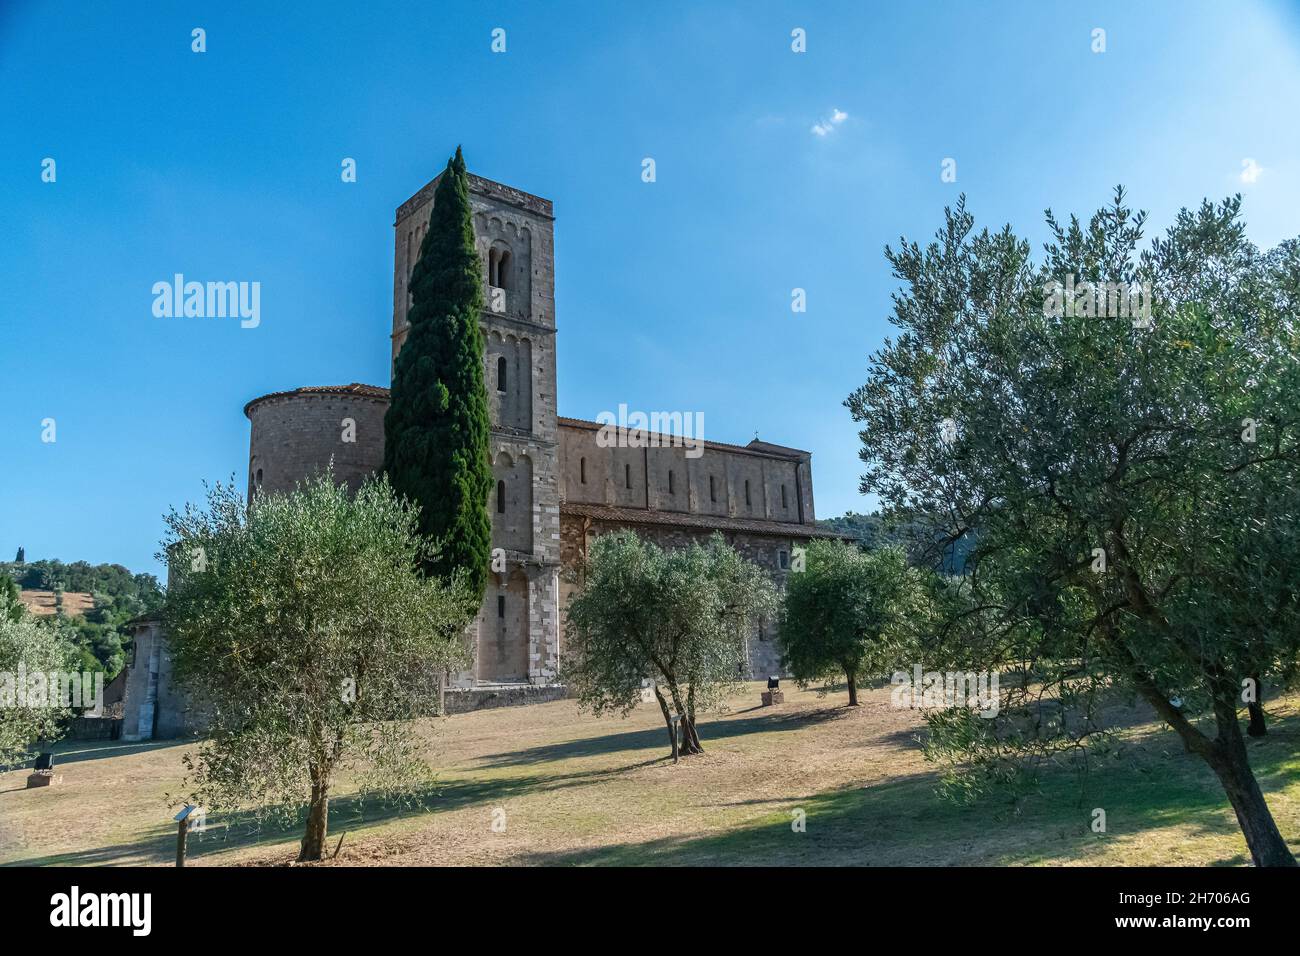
{"type": "Point", "coordinates": [713, 489]}
{"type": "Point", "coordinates": [501, 497]}
{"type": "Point", "coordinates": [499, 267]}
{"type": "Point", "coordinates": [783, 558]}
{"type": "Point", "coordinates": [748, 503]}
{"type": "Point", "coordinates": [503, 269]}
{"type": "Point", "coordinates": [501, 605]}
{"type": "Point", "coordinates": [582, 470]}
{"type": "Point", "coordinates": [783, 496]}
{"type": "Point", "coordinates": [670, 483]}
{"type": "Point", "coordinates": [627, 475]}
{"type": "Point", "coordinates": [501, 374]}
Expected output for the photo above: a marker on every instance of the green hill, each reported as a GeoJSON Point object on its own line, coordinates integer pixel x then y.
{"type": "Point", "coordinates": [117, 596]}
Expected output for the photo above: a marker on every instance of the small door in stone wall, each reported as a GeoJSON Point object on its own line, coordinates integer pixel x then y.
{"type": "Point", "coordinates": [503, 636]}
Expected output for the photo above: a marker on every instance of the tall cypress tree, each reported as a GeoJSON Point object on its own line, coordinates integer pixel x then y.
{"type": "Point", "coordinates": [436, 429]}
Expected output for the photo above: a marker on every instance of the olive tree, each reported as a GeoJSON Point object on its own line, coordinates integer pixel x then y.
{"type": "Point", "coordinates": [305, 628]}
{"type": "Point", "coordinates": [1132, 475]}
{"type": "Point", "coordinates": [845, 611]}
{"type": "Point", "coordinates": [678, 618]}
{"type": "Point", "coordinates": [11, 601]}
{"type": "Point", "coordinates": [30, 708]}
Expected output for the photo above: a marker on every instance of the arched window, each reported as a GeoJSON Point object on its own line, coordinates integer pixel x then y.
{"type": "Point", "coordinates": [259, 477]}
{"type": "Point", "coordinates": [503, 269]}
{"type": "Point", "coordinates": [501, 374]}
{"type": "Point", "coordinates": [501, 497]}
{"type": "Point", "coordinates": [499, 266]}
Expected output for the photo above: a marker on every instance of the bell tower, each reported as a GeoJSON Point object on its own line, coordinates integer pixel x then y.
{"type": "Point", "coordinates": [517, 630]}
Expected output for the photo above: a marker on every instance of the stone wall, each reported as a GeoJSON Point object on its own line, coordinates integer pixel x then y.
{"type": "Point", "coordinates": [725, 481]}
{"type": "Point", "coordinates": [515, 632]}
{"type": "Point", "coordinates": [465, 699]}
{"type": "Point", "coordinates": [509, 379]}
{"type": "Point", "coordinates": [296, 434]}
{"type": "Point", "coordinates": [765, 550]}
{"type": "Point", "coordinates": [154, 705]}
{"type": "Point", "coordinates": [504, 217]}
{"type": "Point", "coordinates": [94, 728]}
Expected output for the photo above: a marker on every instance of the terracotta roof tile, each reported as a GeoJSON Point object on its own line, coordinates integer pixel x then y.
{"type": "Point", "coordinates": [762, 449]}
{"type": "Point", "coordinates": [356, 388]}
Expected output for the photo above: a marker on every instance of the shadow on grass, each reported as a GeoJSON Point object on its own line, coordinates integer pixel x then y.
{"type": "Point", "coordinates": [77, 751]}
{"type": "Point", "coordinates": [234, 830]}
{"type": "Point", "coordinates": [711, 728]}
{"type": "Point", "coordinates": [904, 822]}
{"type": "Point", "coordinates": [1151, 784]}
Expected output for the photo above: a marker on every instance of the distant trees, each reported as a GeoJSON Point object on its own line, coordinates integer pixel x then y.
{"type": "Point", "coordinates": [302, 625]}
{"type": "Point", "coordinates": [845, 612]}
{"type": "Point", "coordinates": [1134, 478]}
{"type": "Point", "coordinates": [119, 596]}
{"type": "Point", "coordinates": [678, 618]}
{"type": "Point", "coordinates": [101, 638]}
{"type": "Point", "coordinates": [436, 427]}
{"type": "Point", "coordinates": [29, 652]}
{"type": "Point", "coordinates": [113, 580]}
{"type": "Point", "coordinates": [876, 530]}
{"type": "Point", "coordinates": [869, 530]}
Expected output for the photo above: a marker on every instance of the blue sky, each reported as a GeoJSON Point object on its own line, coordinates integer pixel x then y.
{"type": "Point", "coordinates": [672, 295]}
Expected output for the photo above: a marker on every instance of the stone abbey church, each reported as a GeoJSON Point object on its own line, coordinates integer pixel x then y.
{"type": "Point", "coordinates": [556, 485]}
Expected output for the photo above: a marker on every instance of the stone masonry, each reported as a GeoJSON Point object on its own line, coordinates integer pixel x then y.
{"type": "Point", "coordinates": [556, 484]}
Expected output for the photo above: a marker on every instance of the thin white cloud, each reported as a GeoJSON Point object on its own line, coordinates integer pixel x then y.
{"type": "Point", "coordinates": [827, 126]}
{"type": "Point", "coordinates": [1250, 170]}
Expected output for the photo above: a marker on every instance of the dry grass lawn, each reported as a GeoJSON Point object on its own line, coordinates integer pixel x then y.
{"type": "Point", "coordinates": [579, 790]}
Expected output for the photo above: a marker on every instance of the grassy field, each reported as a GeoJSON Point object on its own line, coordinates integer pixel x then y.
{"type": "Point", "coordinates": [41, 603]}
{"type": "Point", "coordinates": [578, 790]}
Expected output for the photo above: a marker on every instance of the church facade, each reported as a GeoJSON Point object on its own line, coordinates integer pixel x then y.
{"type": "Point", "coordinates": [558, 483]}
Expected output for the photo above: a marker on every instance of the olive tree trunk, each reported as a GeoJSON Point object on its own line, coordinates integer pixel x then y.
{"type": "Point", "coordinates": [1232, 766]}
{"type": "Point", "coordinates": [318, 812]}
{"type": "Point", "coordinates": [1257, 728]}
{"type": "Point", "coordinates": [1227, 757]}
{"type": "Point", "coordinates": [685, 723]}
{"type": "Point", "coordinates": [668, 721]}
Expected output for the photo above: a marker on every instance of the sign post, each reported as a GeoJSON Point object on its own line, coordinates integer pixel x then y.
{"type": "Point", "coordinates": [183, 827]}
